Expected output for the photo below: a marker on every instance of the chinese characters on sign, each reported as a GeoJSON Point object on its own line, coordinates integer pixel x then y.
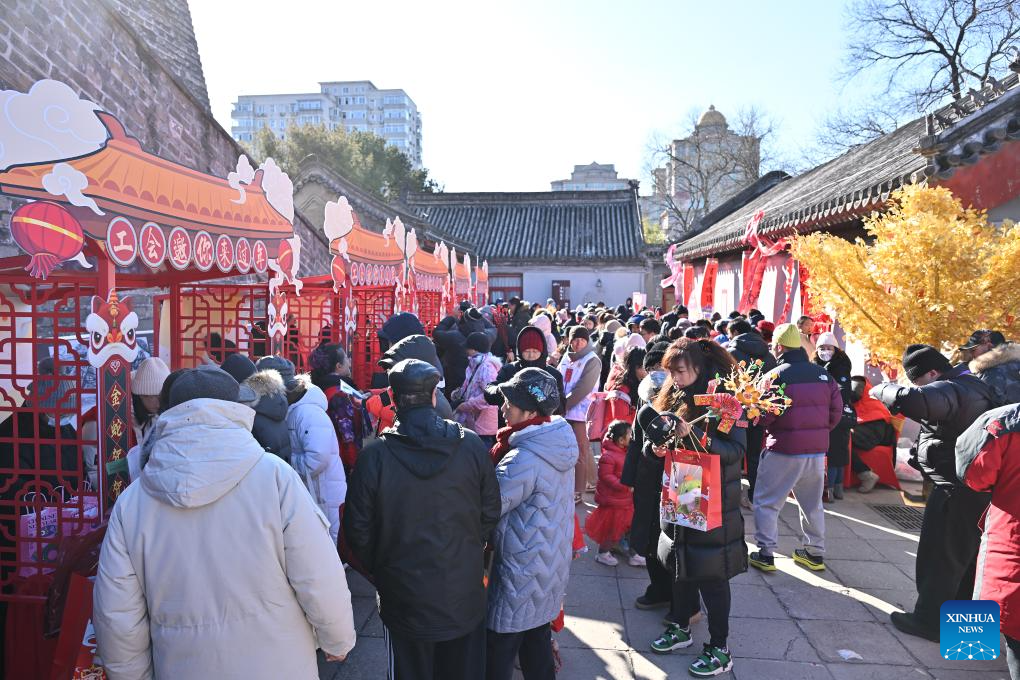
{"type": "Point", "coordinates": [180, 248]}
{"type": "Point", "coordinates": [203, 251]}
{"type": "Point", "coordinates": [224, 254]}
{"type": "Point", "coordinates": [121, 241]}
{"type": "Point", "coordinates": [260, 257]}
{"type": "Point", "coordinates": [153, 245]}
{"type": "Point", "coordinates": [243, 255]}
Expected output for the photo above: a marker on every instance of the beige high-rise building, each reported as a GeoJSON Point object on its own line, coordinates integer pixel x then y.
{"type": "Point", "coordinates": [356, 105]}
{"type": "Point", "coordinates": [703, 170]}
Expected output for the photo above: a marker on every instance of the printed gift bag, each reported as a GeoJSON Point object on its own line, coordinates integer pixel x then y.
{"type": "Point", "coordinates": [40, 530]}
{"type": "Point", "coordinates": [692, 490]}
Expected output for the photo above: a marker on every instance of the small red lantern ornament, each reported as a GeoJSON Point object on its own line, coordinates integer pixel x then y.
{"type": "Point", "coordinates": [338, 272]}
{"type": "Point", "coordinates": [285, 258]}
{"type": "Point", "coordinates": [47, 232]}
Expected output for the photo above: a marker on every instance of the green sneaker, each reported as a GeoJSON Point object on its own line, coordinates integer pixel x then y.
{"type": "Point", "coordinates": [675, 637]}
{"type": "Point", "coordinates": [712, 661]}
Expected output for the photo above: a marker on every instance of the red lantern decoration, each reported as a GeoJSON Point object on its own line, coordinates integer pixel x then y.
{"type": "Point", "coordinates": [285, 259]}
{"type": "Point", "coordinates": [47, 232]}
{"type": "Point", "coordinates": [338, 273]}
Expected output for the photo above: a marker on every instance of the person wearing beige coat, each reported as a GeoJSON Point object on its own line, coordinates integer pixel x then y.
{"type": "Point", "coordinates": [216, 562]}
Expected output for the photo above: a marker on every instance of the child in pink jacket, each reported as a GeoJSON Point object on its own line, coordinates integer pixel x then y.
{"type": "Point", "coordinates": [472, 410]}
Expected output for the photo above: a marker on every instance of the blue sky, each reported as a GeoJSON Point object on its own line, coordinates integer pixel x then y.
{"type": "Point", "coordinates": [514, 95]}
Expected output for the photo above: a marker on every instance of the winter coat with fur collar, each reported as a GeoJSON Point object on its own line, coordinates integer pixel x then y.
{"type": "Point", "coordinates": [999, 368]}
{"type": "Point", "coordinates": [270, 428]}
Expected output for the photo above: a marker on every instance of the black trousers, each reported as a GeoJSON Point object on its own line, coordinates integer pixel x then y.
{"type": "Point", "coordinates": [687, 596]}
{"type": "Point", "coordinates": [534, 647]}
{"type": "Point", "coordinates": [1013, 657]}
{"type": "Point", "coordinates": [947, 550]}
{"type": "Point", "coordinates": [460, 659]}
{"type": "Point", "coordinates": [660, 586]}
{"type": "Point", "coordinates": [755, 439]}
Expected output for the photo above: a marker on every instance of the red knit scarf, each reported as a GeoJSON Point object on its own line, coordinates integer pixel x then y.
{"type": "Point", "coordinates": [502, 446]}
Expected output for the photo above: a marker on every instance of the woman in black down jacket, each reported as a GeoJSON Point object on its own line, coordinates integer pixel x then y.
{"type": "Point", "coordinates": [702, 562]}
{"type": "Point", "coordinates": [837, 364]}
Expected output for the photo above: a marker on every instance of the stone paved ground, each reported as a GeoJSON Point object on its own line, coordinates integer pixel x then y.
{"type": "Point", "coordinates": [789, 625]}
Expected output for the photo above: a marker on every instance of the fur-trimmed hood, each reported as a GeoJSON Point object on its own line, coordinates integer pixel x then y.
{"type": "Point", "coordinates": [266, 383]}
{"type": "Point", "coordinates": [1003, 354]}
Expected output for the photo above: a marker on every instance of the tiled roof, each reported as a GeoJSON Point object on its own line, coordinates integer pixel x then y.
{"type": "Point", "coordinates": [372, 211]}
{"type": "Point", "coordinates": [834, 192]}
{"type": "Point", "coordinates": [976, 125]}
{"type": "Point", "coordinates": [125, 179]}
{"type": "Point", "coordinates": [861, 180]}
{"type": "Point", "coordinates": [550, 227]}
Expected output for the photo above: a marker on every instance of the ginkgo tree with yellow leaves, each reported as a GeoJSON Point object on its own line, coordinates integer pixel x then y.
{"type": "Point", "coordinates": [932, 271]}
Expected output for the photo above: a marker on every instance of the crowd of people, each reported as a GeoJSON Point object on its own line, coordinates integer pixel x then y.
{"type": "Point", "coordinates": [454, 487]}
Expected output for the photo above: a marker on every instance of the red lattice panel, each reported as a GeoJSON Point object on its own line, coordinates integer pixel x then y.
{"type": "Point", "coordinates": [375, 306]}
{"type": "Point", "coordinates": [48, 450]}
{"type": "Point", "coordinates": [201, 313]}
{"type": "Point", "coordinates": [430, 309]}
{"type": "Point", "coordinates": [315, 316]}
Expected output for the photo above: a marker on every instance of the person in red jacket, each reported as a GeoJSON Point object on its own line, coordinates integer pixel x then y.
{"type": "Point", "coordinates": [988, 459]}
{"type": "Point", "coordinates": [608, 523]}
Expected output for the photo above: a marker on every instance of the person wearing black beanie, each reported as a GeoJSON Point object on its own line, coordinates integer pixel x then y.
{"type": "Point", "coordinates": [945, 400]}
{"type": "Point", "coordinates": [923, 364]}
{"type": "Point", "coordinates": [479, 342]}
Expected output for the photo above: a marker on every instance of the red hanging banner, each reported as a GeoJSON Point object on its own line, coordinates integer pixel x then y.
{"type": "Point", "coordinates": [688, 288]}
{"type": "Point", "coordinates": [788, 269]}
{"type": "Point", "coordinates": [805, 298]}
{"type": "Point", "coordinates": [751, 280]}
{"type": "Point", "coordinates": [753, 269]}
{"type": "Point", "coordinates": [708, 285]}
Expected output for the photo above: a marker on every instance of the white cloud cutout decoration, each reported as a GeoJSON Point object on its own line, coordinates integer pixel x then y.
{"type": "Point", "coordinates": [279, 189]}
{"type": "Point", "coordinates": [48, 123]}
{"type": "Point", "coordinates": [242, 174]}
{"type": "Point", "coordinates": [66, 181]}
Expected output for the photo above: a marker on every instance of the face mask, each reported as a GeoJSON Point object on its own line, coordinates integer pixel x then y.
{"type": "Point", "coordinates": [826, 354]}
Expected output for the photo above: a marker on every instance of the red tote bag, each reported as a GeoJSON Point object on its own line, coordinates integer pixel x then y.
{"type": "Point", "coordinates": [692, 490]}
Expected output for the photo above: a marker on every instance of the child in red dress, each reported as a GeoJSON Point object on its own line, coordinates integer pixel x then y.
{"type": "Point", "coordinates": [607, 524]}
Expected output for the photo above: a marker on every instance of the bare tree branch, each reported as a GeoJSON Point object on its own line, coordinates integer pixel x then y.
{"type": "Point", "coordinates": [695, 173]}
{"type": "Point", "coordinates": [919, 54]}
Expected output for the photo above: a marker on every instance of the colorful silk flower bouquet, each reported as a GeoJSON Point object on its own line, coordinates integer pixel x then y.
{"type": "Point", "coordinates": [751, 393]}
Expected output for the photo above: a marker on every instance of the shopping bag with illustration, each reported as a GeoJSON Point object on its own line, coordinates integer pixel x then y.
{"type": "Point", "coordinates": [692, 490]}
{"type": "Point", "coordinates": [46, 522]}
{"type": "Point", "coordinates": [37, 538]}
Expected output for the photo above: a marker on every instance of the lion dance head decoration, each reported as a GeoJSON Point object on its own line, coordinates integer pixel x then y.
{"type": "Point", "coordinates": [111, 326]}
{"type": "Point", "coordinates": [277, 313]}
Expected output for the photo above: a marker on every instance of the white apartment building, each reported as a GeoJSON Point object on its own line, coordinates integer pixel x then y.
{"type": "Point", "coordinates": [356, 105]}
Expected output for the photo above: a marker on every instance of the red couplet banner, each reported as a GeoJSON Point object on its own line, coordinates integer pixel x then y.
{"type": "Point", "coordinates": [708, 284]}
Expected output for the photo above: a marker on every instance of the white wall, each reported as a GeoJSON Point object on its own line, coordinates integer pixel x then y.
{"type": "Point", "coordinates": [617, 282]}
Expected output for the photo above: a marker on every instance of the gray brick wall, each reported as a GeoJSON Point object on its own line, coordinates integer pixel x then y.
{"type": "Point", "coordinates": [137, 59]}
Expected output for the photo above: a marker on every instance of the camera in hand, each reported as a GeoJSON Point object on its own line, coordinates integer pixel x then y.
{"type": "Point", "coordinates": [657, 427]}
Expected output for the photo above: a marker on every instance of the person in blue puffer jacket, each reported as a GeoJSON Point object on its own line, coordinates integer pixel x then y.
{"type": "Point", "coordinates": [532, 542]}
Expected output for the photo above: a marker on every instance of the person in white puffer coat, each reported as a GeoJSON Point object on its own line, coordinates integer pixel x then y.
{"type": "Point", "coordinates": [314, 449]}
{"type": "Point", "coordinates": [216, 563]}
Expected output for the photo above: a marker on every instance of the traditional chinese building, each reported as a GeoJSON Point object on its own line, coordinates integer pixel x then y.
{"type": "Point", "coordinates": [969, 146]}
{"type": "Point", "coordinates": [572, 246]}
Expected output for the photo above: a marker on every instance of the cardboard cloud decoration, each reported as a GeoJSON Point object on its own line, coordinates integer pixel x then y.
{"type": "Point", "coordinates": [66, 181]}
{"type": "Point", "coordinates": [49, 122]}
{"type": "Point", "coordinates": [279, 189]}
{"type": "Point", "coordinates": [242, 174]}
